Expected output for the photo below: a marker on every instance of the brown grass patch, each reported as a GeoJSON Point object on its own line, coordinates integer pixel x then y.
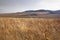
{"type": "Point", "coordinates": [29, 29]}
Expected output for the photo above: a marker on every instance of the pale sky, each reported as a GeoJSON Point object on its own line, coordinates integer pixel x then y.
{"type": "Point", "coordinates": [22, 5]}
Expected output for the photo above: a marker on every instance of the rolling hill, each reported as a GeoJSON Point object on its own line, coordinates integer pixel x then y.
{"type": "Point", "coordinates": [34, 14]}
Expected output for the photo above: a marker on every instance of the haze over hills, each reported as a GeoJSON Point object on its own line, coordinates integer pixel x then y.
{"type": "Point", "coordinates": [34, 14]}
{"type": "Point", "coordinates": [49, 11]}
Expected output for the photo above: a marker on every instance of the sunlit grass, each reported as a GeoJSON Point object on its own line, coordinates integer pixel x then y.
{"type": "Point", "coordinates": [29, 29]}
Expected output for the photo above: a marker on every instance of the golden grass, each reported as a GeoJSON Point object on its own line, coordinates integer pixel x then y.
{"type": "Point", "coordinates": [29, 29]}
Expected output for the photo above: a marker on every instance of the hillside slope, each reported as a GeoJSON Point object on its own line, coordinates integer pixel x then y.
{"type": "Point", "coordinates": [29, 29]}
{"type": "Point", "coordinates": [31, 15]}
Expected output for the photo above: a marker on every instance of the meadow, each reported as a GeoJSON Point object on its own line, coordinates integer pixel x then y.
{"type": "Point", "coordinates": [29, 28]}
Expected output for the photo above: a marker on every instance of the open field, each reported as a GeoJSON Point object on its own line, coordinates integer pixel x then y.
{"type": "Point", "coordinates": [30, 15]}
{"type": "Point", "coordinates": [29, 28]}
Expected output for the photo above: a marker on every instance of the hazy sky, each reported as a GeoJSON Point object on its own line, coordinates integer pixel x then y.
{"type": "Point", "coordinates": [22, 5]}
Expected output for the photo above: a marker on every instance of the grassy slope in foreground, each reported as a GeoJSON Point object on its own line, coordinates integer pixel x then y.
{"type": "Point", "coordinates": [29, 29]}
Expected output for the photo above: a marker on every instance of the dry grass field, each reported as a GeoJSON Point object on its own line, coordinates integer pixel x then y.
{"type": "Point", "coordinates": [29, 29]}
